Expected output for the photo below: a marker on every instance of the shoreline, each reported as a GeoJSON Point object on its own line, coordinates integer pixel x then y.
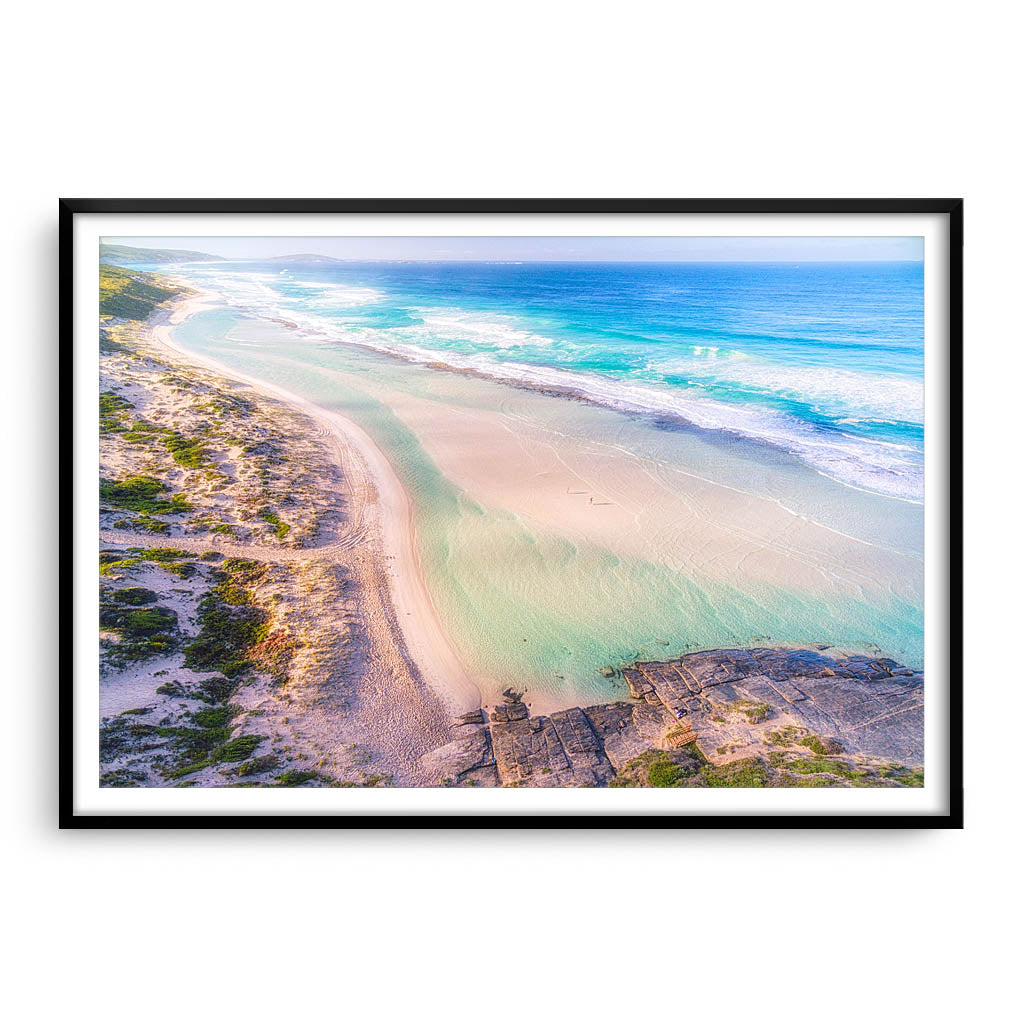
{"type": "Point", "coordinates": [578, 388]}
{"type": "Point", "coordinates": [708, 529]}
{"type": "Point", "coordinates": [429, 650]}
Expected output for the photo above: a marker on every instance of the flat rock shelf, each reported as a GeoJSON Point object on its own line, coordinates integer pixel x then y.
{"type": "Point", "coordinates": [744, 717]}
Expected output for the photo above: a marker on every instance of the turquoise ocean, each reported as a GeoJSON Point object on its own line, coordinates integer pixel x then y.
{"type": "Point", "coordinates": [802, 382]}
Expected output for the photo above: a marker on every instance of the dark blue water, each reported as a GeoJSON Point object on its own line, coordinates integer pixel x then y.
{"type": "Point", "coordinates": [824, 360]}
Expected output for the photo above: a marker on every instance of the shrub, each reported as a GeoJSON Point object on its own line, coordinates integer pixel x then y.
{"type": "Point", "coordinates": [821, 744]}
{"type": "Point", "coordinates": [823, 765]}
{"type": "Point", "coordinates": [188, 452]}
{"type": "Point", "coordinates": [214, 718]}
{"type": "Point", "coordinates": [144, 632]}
{"type": "Point", "coordinates": [257, 766]}
{"type": "Point", "coordinates": [112, 412]}
{"type": "Point", "coordinates": [664, 773]}
{"type": "Point", "coordinates": [141, 493]}
{"type": "Point", "coordinates": [747, 773]}
{"type": "Point", "coordinates": [240, 748]}
{"type": "Point", "coordinates": [297, 777]}
{"type": "Point", "coordinates": [755, 711]}
{"type": "Point", "coordinates": [241, 565]}
{"type": "Point", "coordinates": [130, 595]}
{"type": "Point", "coordinates": [214, 690]}
{"type": "Point", "coordinates": [268, 515]}
{"type": "Point", "coordinates": [660, 769]}
{"type": "Point", "coordinates": [230, 624]}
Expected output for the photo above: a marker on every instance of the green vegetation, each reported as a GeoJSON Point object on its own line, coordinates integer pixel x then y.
{"type": "Point", "coordinates": [688, 768]}
{"type": "Point", "coordinates": [204, 747]}
{"type": "Point", "coordinates": [240, 748]}
{"type": "Point", "coordinates": [746, 773]}
{"type": "Point", "coordinates": [143, 632]}
{"type": "Point", "coordinates": [137, 622]}
{"type": "Point", "coordinates": [246, 565]}
{"type": "Point", "coordinates": [214, 690]}
{"type": "Point", "coordinates": [144, 522]}
{"type": "Point", "coordinates": [661, 769]}
{"type": "Point", "coordinates": [903, 775]}
{"type": "Point", "coordinates": [821, 765]}
{"type": "Point", "coordinates": [186, 451]}
{"type": "Point", "coordinates": [268, 515]}
{"type": "Point", "coordinates": [821, 744]}
{"type": "Point", "coordinates": [172, 560]}
{"type": "Point", "coordinates": [135, 596]}
{"type": "Point", "coordinates": [784, 737]}
{"type": "Point", "coordinates": [224, 404]}
{"type": "Point", "coordinates": [257, 766]}
{"type": "Point", "coordinates": [119, 735]}
{"type": "Point", "coordinates": [109, 347]}
{"type": "Point", "coordinates": [142, 432]}
{"type": "Point", "coordinates": [230, 625]}
{"type": "Point", "coordinates": [755, 711]}
{"type": "Point", "coordinates": [665, 773]}
{"type": "Point", "coordinates": [196, 747]}
{"type": "Point", "coordinates": [273, 655]}
{"type": "Point", "coordinates": [299, 777]}
{"type": "Point", "coordinates": [123, 778]}
{"type": "Point", "coordinates": [373, 781]}
{"type": "Point", "coordinates": [141, 494]}
{"type": "Point", "coordinates": [112, 407]}
{"type": "Point", "coordinates": [214, 718]}
{"type": "Point", "coordinates": [131, 294]}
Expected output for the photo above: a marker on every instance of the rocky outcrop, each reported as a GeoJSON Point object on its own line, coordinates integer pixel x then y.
{"type": "Point", "coordinates": [777, 707]}
{"type": "Point", "coordinates": [871, 705]}
{"type": "Point", "coordinates": [466, 761]}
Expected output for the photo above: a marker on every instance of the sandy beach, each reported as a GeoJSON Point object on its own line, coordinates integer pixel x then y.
{"type": "Point", "coordinates": [391, 537]}
{"type": "Point", "coordinates": [355, 681]}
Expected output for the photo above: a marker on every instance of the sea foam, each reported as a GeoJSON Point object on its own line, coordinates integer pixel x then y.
{"type": "Point", "coordinates": [863, 462]}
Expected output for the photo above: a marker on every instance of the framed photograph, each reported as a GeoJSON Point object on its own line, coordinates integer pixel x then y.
{"type": "Point", "coordinates": [541, 513]}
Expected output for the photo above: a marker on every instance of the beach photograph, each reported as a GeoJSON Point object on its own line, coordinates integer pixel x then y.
{"type": "Point", "coordinates": [487, 511]}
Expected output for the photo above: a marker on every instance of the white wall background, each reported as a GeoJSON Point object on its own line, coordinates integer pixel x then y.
{"type": "Point", "coordinates": [525, 99]}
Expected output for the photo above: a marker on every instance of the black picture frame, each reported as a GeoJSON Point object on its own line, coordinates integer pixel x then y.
{"type": "Point", "coordinates": [953, 209]}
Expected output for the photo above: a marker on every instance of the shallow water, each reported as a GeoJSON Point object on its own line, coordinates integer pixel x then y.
{"type": "Point", "coordinates": [531, 604]}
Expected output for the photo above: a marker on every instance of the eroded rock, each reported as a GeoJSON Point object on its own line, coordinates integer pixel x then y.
{"type": "Point", "coordinates": [780, 708]}
{"type": "Point", "coordinates": [469, 760]}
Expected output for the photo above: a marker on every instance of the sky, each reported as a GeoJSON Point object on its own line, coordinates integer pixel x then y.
{"type": "Point", "coordinates": [554, 248]}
